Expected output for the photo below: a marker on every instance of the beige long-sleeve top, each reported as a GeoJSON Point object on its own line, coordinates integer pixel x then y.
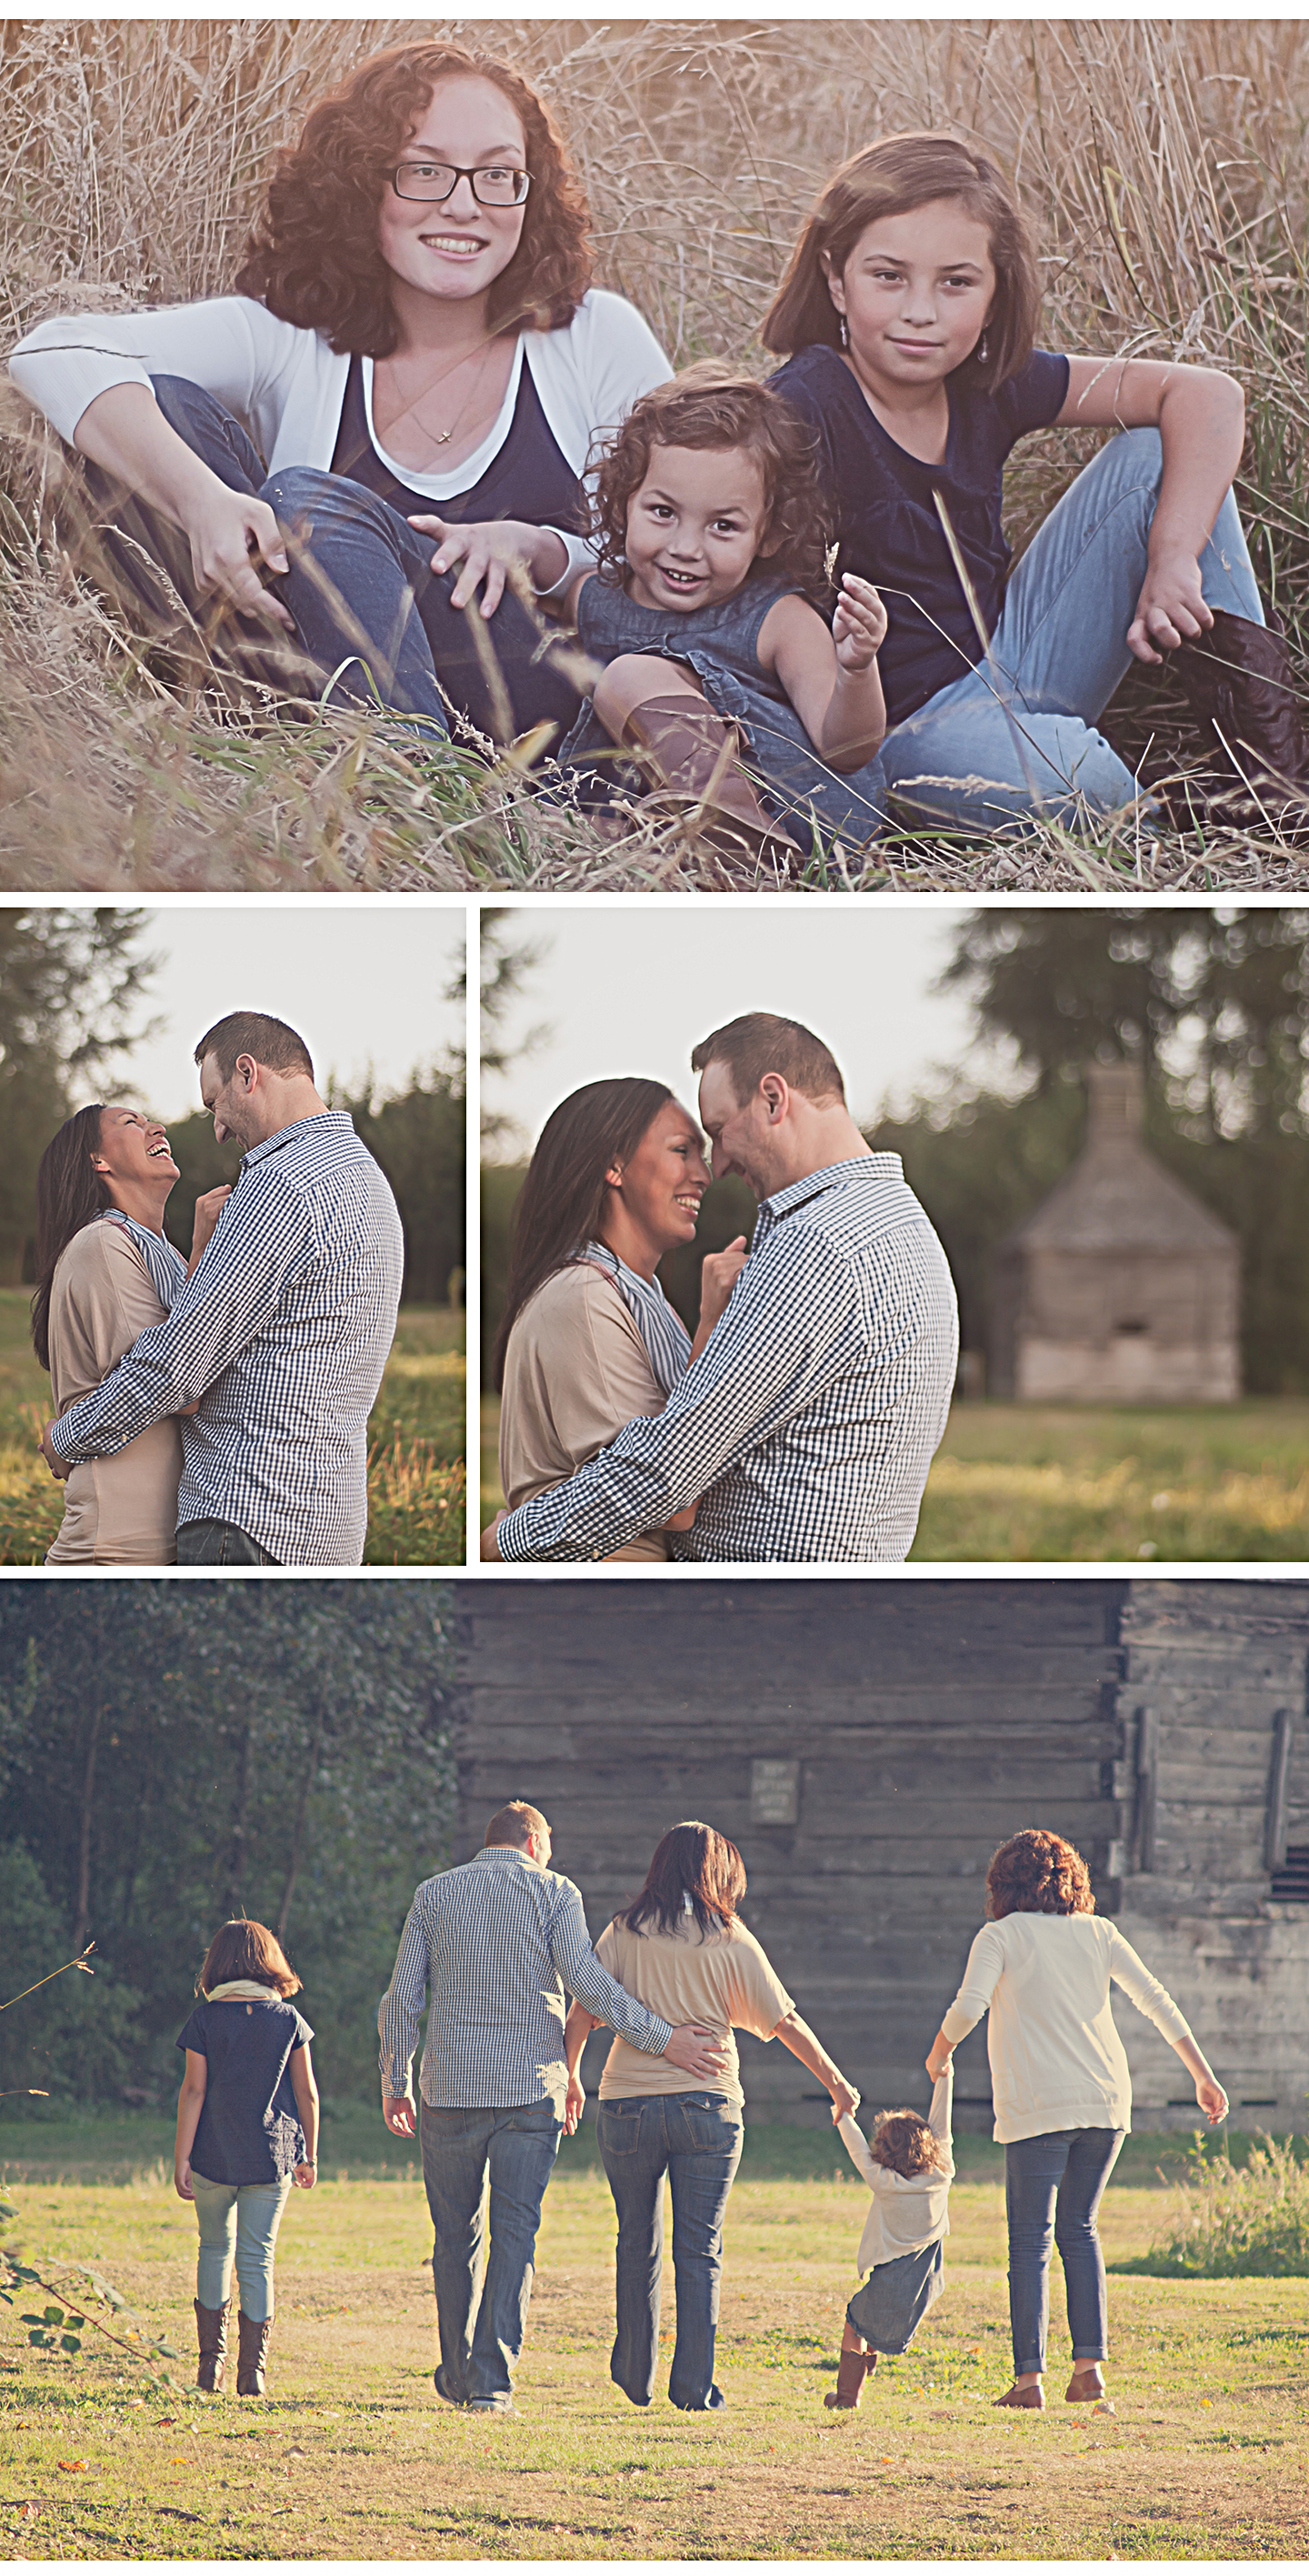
{"type": "Point", "coordinates": [1057, 2061]}
{"type": "Point", "coordinates": [721, 1979]}
{"type": "Point", "coordinates": [908, 2211]}
{"type": "Point", "coordinates": [120, 1510]}
{"type": "Point", "coordinates": [576, 1372]}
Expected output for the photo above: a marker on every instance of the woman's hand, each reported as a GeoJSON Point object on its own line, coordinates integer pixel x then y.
{"type": "Point", "coordinates": [208, 1210]}
{"type": "Point", "coordinates": [940, 2057]}
{"type": "Point", "coordinates": [491, 551]}
{"type": "Point", "coordinates": [844, 2099]}
{"type": "Point", "coordinates": [489, 1551]}
{"type": "Point", "coordinates": [231, 535]}
{"type": "Point", "coordinates": [182, 2180]}
{"type": "Point", "coordinates": [1211, 2098]}
{"type": "Point", "coordinates": [305, 2176]}
{"type": "Point", "coordinates": [1171, 609]}
{"type": "Point", "coordinates": [574, 2106]}
{"type": "Point", "coordinates": [859, 625]}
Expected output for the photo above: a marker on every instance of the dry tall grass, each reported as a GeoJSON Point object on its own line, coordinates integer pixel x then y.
{"type": "Point", "coordinates": [1163, 162]}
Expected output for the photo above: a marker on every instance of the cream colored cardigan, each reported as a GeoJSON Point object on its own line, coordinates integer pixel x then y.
{"type": "Point", "coordinates": [1057, 2061]}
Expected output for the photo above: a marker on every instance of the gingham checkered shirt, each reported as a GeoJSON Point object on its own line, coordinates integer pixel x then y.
{"type": "Point", "coordinates": [495, 1944]}
{"type": "Point", "coordinates": [283, 1330]}
{"type": "Point", "coordinates": [809, 1421]}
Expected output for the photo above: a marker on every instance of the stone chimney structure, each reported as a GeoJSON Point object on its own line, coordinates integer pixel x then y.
{"type": "Point", "coordinates": [1121, 1287]}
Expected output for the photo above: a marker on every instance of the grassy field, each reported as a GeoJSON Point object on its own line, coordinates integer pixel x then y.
{"type": "Point", "coordinates": [351, 2457]}
{"type": "Point", "coordinates": [1022, 1484]}
{"type": "Point", "coordinates": [1162, 163]}
{"type": "Point", "coordinates": [416, 1444]}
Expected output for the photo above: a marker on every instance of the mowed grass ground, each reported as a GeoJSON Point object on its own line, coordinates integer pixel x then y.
{"type": "Point", "coordinates": [352, 2457]}
{"type": "Point", "coordinates": [1022, 1484]}
{"type": "Point", "coordinates": [416, 1444]}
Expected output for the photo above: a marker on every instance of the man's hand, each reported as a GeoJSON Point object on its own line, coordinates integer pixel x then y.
{"type": "Point", "coordinates": [719, 1272]}
{"type": "Point", "coordinates": [490, 1552]}
{"type": "Point", "coordinates": [305, 2176]}
{"type": "Point", "coordinates": [58, 1466]}
{"type": "Point", "coordinates": [1171, 609]}
{"type": "Point", "coordinates": [574, 2106]}
{"type": "Point", "coordinates": [399, 2117]}
{"type": "Point", "coordinates": [207, 1213]}
{"type": "Point", "coordinates": [698, 2050]}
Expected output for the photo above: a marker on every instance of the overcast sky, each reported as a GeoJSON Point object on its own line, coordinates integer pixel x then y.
{"type": "Point", "coordinates": [631, 991]}
{"type": "Point", "coordinates": [361, 985]}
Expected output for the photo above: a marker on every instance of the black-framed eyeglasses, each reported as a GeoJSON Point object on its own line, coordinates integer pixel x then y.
{"type": "Point", "coordinates": [429, 183]}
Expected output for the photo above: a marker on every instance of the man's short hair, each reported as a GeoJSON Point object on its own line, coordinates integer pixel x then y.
{"type": "Point", "coordinates": [269, 1041]}
{"type": "Point", "coordinates": [515, 1825]}
{"type": "Point", "coordinates": [759, 1043]}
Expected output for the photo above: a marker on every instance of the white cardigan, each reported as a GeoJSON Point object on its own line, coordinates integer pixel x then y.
{"type": "Point", "coordinates": [1057, 2061]}
{"type": "Point", "coordinates": [908, 2212]}
{"type": "Point", "coordinates": [288, 386]}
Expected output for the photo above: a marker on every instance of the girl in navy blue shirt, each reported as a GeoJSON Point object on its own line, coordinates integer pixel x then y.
{"type": "Point", "coordinates": [908, 315]}
{"type": "Point", "coordinates": [247, 2129]}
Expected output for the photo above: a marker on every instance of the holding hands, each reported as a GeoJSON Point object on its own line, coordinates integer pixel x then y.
{"type": "Point", "coordinates": [859, 625]}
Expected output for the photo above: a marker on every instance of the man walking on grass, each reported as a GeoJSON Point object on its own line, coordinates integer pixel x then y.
{"type": "Point", "coordinates": [281, 1332]}
{"type": "Point", "coordinates": [495, 1945]}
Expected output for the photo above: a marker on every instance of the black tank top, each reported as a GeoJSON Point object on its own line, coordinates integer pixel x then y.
{"type": "Point", "coordinates": [529, 479]}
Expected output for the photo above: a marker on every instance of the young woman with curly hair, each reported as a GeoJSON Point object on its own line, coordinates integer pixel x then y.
{"type": "Point", "coordinates": [720, 674]}
{"type": "Point", "coordinates": [1042, 1966]}
{"type": "Point", "coordinates": [908, 318]}
{"type": "Point", "coordinates": [414, 335]}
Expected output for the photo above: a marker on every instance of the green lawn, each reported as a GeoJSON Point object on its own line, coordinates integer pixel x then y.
{"type": "Point", "coordinates": [352, 2458]}
{"type": "Point", "coordinates": [416, 1444]}
{"type": "Point", "coordinates": [1019, 1483]}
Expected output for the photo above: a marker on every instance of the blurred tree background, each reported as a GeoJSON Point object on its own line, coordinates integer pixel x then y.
{"type": "Point", "coordinates": [73, 994]}
{"type": "Point", "coordinates": [171, 1756]}
{"type": "Point", "coordinates": [1214, 1005]}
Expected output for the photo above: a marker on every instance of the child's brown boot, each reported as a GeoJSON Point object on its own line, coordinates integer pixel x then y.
{"type": "Point", "coordinates": [211, 2334]}
{"type": "Point", "coordinates": [851, 2372]}
{"type": "Point", "coordinates": [691, 752]}
{"type": "Point", "coordinates": [252, 2348]}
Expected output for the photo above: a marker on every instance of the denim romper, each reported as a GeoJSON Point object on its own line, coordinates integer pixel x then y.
{"type": "Point", "coordinates": [720, 645]}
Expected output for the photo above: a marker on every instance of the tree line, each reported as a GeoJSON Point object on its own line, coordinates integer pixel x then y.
{"type": "Point", "coordinates": [171, 1755]}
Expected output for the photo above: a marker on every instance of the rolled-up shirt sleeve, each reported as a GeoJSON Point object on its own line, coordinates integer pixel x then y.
{"type": "Point", "coordinates": [794, 1323]}
{"type": "Point", "coordinates": [581, 1975]}
{"type": "Point", "coordinates": [981, 1977]}
{"type": "Point", "coordinates": [1131, 1973]}
{"type": "Point", "coordinates": [400, 2013]}
{"type": "Point", "coordinates": [263, 1240]}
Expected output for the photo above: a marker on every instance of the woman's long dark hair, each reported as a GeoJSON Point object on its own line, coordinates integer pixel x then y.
{"type": "Point", "coordinates": [68, 1195]}
{"type": "Point", "coordinates": [691, 1860]}
{"type": "Point", "coordinates": [562, 1199]}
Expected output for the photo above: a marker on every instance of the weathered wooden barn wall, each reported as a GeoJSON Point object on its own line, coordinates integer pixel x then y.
{"type": "Point", "coordinates": [1214, 1786]}
{"type": "Point", "coordinates": [897, 1732]}
{"type": "Point", "coordinates": [868, 1745]}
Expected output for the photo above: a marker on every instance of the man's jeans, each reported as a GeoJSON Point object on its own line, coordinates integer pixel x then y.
{"type": "Point", "coordinates": [238, 2223]}
{"type": "Point", "coordinates": [361, 590]}
{"type": "Point", "coordinates": [1052, 2190]}
{"type": "Point", "coordinates": [481, 2338]}
{"type": "Point", "coordinates": [219, 1543]}
{"type": "Point", "coordinates": [1060, 650]}
{"type": "Point", "coordinates": [696, 2139]}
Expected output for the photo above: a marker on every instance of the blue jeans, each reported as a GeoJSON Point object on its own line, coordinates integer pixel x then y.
{"type": "Point", "coordinates": [482, 2336]}
{"type": "Point", "coordinates": [1052, 2190]}
{"type": "Point", "coordinates": [361, 591]}
{"type": "Point", "coordinates": [238, 2223]}
{"type": "Point", "coordinates": [219, 1543]}
{"type": "Point", "coordinates": [1060, 649]}
{"type": "Point", "coordinates": [696, 2139]}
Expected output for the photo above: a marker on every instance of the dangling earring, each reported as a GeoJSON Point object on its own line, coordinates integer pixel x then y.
{"type": "Point", "coordinates": [981, 350]}
{"type": "Point", "coordinates": [844, 328]}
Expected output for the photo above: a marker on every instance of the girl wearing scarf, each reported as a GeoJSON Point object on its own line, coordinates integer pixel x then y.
{"type": "Point", "coordinates": [247, 2129]}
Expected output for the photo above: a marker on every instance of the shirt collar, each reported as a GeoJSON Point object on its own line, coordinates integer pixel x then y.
{"type": "Point", "coordinates": [338, 1119]}
{"type": "Point", "coordinates": [833, 1176]}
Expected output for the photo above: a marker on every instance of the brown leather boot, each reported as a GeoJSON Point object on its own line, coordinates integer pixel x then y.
{"type": "Point", "coordinates": [1239, 680]}
{"type": "Point", "coordinates": [211, 2333]}
{"type": "Point", "coordinates": [851, 2371]}
{"type": "Point", "coordinates": [687, 750]}
{"type": "Point", "coordinates": [1033, 2398]}
{"type": "Point", "coordinates": [252, 2348]}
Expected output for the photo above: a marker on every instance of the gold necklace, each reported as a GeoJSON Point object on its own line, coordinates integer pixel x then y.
{"type": "Point", "coordinates": [442, 437]}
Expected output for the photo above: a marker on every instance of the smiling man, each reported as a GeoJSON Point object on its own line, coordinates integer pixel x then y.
{"type": "Point", "coordinates": [282, 1332]}
{"type": "Point", "coordinates": [808, 1423]}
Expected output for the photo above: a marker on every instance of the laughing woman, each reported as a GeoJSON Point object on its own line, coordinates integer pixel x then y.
{"type": "Point", "coordinates": [106, 1272]}
{"type": "Point", "coordinates": [588, 1339]}
{"type": "Point", "coordinates": [414, 332]}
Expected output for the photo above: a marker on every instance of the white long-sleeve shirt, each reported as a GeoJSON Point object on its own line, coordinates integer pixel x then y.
{"type": "Point", "coordinates": [288, 386]}
{"type": "Point", "coordinates": [1057, 2061]}
{"type": "Point", "coordinates": [908, 2211]}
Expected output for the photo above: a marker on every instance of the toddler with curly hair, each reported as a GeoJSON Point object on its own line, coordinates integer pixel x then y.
{"type": "Point", "coordinates": [909, 2167]}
